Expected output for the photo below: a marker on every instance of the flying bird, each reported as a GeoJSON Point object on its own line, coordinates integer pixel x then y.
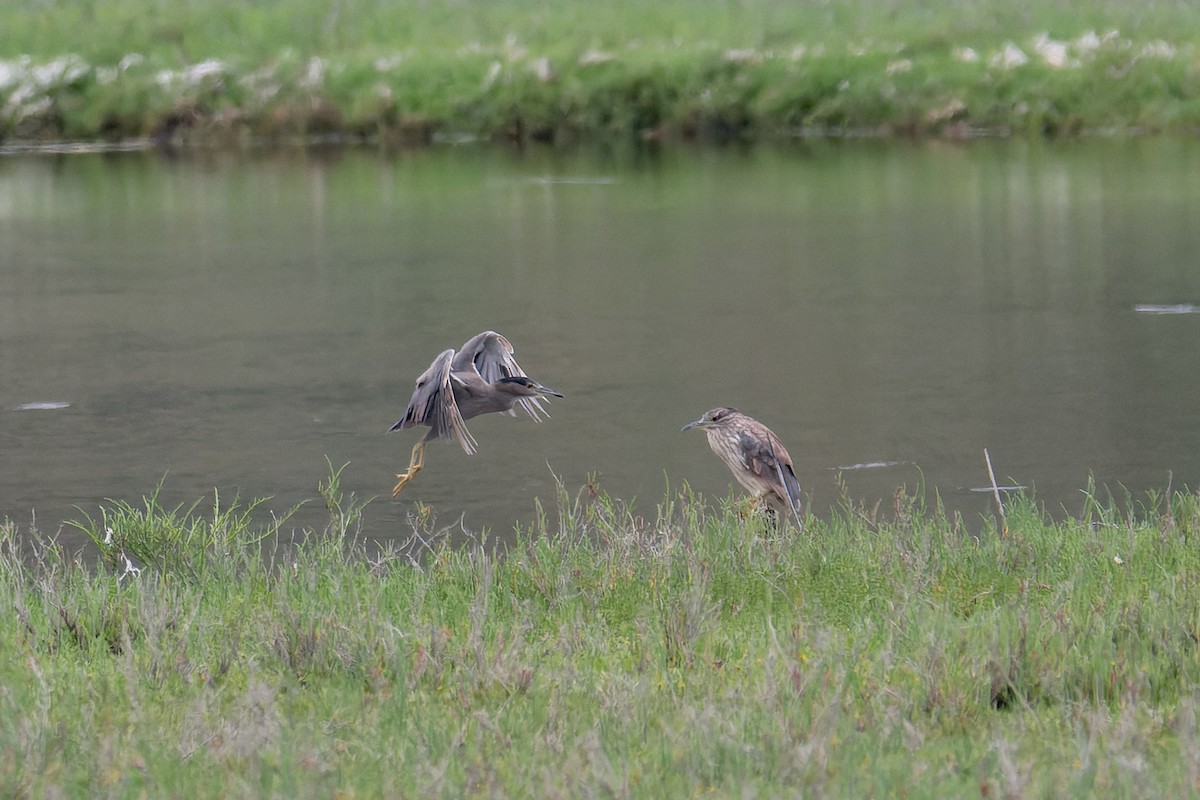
{"type": "Point", "coordinates": [481, 377]}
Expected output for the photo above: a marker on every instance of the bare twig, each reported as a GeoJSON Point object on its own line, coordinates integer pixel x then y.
{"type": "Point", "coordinates": [996, 494]}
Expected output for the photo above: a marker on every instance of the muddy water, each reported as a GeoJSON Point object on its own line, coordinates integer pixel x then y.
{"type": "Point", "coordinates": [231, 322]}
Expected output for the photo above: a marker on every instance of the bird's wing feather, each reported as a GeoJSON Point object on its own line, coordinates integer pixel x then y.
{"type": "Point", "coordinates": [791, 486]}
{"type": "Point", "coordinates": [491, 355]}
{"type": "Point", "coordinates": [433, 404]}
{"type": "Point", "coordinates": [765, 456]}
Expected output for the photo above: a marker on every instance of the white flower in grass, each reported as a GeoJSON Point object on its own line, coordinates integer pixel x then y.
{"type": "Point", "coordinates": [192, 75]}
{"type": "Point", "coordinates": [389, 63]}
{"type": "Point", "coordinates": [595, 57]}
{"type": "Point", "coordinates": [543, 69]}
{"type": "Point", "coordinates": [314, 73]}
{"type": "Point", "coordinates": [1118, 560]}
{"type": "Point", "coordinates": [492, 74]}
{"type": "Point", "coordinates": [1010, 56]}
{"type": "Point", "coordinates": [744, 56]}
{"type": "Point", "coordinates": [1158, 49]}
{"type": "Point", "coordinates": [1052, 51]}
{"type": "Point", "coordinates": [1087, 43]}
{"type": "Point", "coordinates": [197, 73]}
{"type": "Point", "coordinates": [65, 69]}
{"type": "Point", "coordinates": [13, 72]}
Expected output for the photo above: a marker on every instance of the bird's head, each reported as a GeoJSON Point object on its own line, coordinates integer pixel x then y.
{"type": "Point", "coordinates": [523, 386]}
{"type": "Point", "coordinates": [711, 418]}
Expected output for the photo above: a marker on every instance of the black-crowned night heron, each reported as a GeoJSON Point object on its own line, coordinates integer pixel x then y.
{"type": "Point", "coordinates": [482, 377]}
{"type": "Point", "coordinates": [754, 455]}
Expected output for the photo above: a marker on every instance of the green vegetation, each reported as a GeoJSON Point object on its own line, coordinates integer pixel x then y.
{"type": "Point", "coordinates": [408, 71]}
{"type": "Point", "coordinates": [694, 653]}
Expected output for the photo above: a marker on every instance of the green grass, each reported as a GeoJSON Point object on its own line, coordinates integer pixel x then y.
{"type": "Point", "coordinates": [680, 651]}
{"type": "Point", "coordinates": [401, 71]}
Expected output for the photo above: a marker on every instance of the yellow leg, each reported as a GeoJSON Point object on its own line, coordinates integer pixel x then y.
{"type": "Point", "coordinates": [414, 466]}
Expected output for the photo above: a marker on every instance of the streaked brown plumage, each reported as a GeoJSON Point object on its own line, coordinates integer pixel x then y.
{"type": "Point", "coordinates": [482, 377]}
{"type": "Point", "coordinates": [753, 454]}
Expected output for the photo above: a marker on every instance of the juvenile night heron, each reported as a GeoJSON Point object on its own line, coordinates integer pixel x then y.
{"type": "Point", "coordinates": [482, 377]}
{"type": "Point", "coordinates": [754, 455]}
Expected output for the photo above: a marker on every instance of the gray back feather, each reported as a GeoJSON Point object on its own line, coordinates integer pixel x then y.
{"type": "Point", "coordinates": [491, 355]}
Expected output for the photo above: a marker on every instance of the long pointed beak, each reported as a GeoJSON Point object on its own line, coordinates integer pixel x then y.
{"type": "Point", "coordinates": [691, 425]}
{"type": "Point", "coordinates": [545, 389]}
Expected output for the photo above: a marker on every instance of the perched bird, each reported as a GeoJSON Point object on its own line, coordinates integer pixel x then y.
{"type": "Point", "coordinates": [482, 377]}
{"type": "Point", "coordinates": [754, 455]}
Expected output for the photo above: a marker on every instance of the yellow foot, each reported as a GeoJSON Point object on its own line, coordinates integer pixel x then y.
{"type": "Point", "coordinates": [414, 466]}
{"type": "Point", "coordinates": [402, 479]}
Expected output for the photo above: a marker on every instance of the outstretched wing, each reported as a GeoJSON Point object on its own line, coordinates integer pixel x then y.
{"type": "Point", "coordinates": [764, 456]}
{"type": "Point", "coordinates": [491, 355]}
{"type": "Point", "coordinates": [433, 404]}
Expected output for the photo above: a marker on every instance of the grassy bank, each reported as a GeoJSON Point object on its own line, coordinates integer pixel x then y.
{"type": "Point", "coordinates": [401, 71]}
{"type": "Point", "coordinates": [688, 652]}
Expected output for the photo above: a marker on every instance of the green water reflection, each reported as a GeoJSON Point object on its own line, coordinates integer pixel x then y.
{"type": "Point", "coordinates": [231, 321]}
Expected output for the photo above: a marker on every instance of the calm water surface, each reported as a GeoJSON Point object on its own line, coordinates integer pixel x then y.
{"type": "Point", "coordinates": [230, 322]}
